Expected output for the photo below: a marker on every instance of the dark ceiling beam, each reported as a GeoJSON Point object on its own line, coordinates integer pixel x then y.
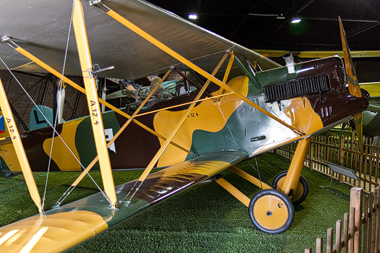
{"type": "Point", "coordinates": [199, 5]}
{"type": "Point", "coordinates": [290, 10]}
{"type": "Point", "coordinates": [305, 6]}
{"type": "Point", "coordinates": [343, 19]}
{"type": "Point", "coordinates": [213, 14]}
{"type": "Point", "coordinates": [282, 9]}
{"type": "Point", "coordinates": [369, 6]}
{"type": "Point", "coordinates": [300, 45]}
{"type": "Point", "coordinates": [243, 20]}
{"type": "Point", "coordinates": [286, 21]}
{"type": "Point", "coordinates": [362, 29]}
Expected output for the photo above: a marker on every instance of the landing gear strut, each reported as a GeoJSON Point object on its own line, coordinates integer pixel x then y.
{"type": "Point", "coordinates": [300, 192]}
{"type": "Point", "coordinates": [271, 210]}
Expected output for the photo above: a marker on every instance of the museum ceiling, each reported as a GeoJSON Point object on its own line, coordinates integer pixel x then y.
{"type": "Point", "coordinates": [265, 24]}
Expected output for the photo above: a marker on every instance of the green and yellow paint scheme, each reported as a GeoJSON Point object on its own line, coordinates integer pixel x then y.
{"type": "Point", "coordinates": [219, 133]}
{"type": "Point", "coordinates": [212, 131]}
{"type": "Point", "coordinates": [224, 123]}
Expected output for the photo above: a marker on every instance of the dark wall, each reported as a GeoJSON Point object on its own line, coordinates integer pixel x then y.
{"type": "Point", "coordinates": [36, 86]}
{"type": "Point", "coordinates": [368, 69]}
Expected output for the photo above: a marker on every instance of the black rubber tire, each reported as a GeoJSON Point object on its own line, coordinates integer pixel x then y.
{"type": "Point", "coordinates": [305, 187]}
{"type": "Point", "coordinates": [283, 202]}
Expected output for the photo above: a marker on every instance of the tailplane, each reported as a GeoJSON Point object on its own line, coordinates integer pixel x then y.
{"type": "Point", "coordinates": [37, 119]}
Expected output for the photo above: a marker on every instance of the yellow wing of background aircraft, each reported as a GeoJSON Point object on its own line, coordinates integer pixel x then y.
{"type": "Point", "coordinates": [318, 54]}
{"type": "Point", "coordinates": [244, 104]}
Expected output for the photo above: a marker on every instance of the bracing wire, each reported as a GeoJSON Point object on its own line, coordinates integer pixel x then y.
{"type": "Point", "coordinates": [56, 115]}
{"type": "Point", "coordinates": [257, 169]}
{"type": "Point", "coordinates": [58, 135]}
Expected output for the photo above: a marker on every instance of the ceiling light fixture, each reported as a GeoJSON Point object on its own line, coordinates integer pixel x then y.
{"type": "Point", "coordinates": [193, 16]}
{"type": "Point", "coordinates": [295, 20]}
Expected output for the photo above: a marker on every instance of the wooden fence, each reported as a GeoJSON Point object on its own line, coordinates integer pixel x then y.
{"type": "Point", "coordinates": [360, 232]}
{"type": "Point", "coordinates": [341, 148]}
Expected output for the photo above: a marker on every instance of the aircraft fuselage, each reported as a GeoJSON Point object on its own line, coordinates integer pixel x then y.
{"type": "Point", "coordinates": [313, 99]}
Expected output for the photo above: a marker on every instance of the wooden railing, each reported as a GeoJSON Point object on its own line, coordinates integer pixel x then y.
{"type": "Point", "coordinates": [360, 229]}
{"type": "Point", "coordinates": [342, 148]}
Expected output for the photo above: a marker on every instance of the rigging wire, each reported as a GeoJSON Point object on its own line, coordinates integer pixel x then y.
{"type": "Point", "coordinates": [58, 135]}
{"type": "Point", "coordinates": [257, 169]}
{"type": "Point", "coordinates": [60, 85]}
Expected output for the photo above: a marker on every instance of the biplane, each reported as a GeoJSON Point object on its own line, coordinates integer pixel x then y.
{"type": "Point", "coordinates": [371, 116]}
{"type": "Point", "coordinates": [243, 104]}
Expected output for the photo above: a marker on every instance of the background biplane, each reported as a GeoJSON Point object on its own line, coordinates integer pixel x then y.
{"type": "Point", "coordinates": [371, 116]}
{"type": "Point", "coordinates": [247, 106]}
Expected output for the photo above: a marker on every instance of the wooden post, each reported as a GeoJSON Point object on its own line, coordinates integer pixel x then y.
{"type": "Point", "coordinates": [356, 196]}
{"type": "Point", "coordinates": [377, 159]}
{"type": "Point", "coordinates": [352, 231]}
{"type": "Point", "coordinates": [365, 225]}
{"type": "Point", "coordinates": [329, 244]}
{"type": "Point", "coordinates": [363, 160]}
{"type": "Point", "coordinates": [308, 250]}
{"type": "Point", "coordinates": [377, 218]}
{"type": "Point", "coordinates": [326, 141]}
{"type": "Point", "coordinates": [369, 149]}
{"type": "Point", "coordinates": [338, 238]}
{"type": "Point", "coordinates": [319, 245]}
{"type": "Point", "coordinates": [291, 147]}
{"type": "Point", "coordinates": [374, 218]}
{"type": "Point", "coordinates": [341, 155]}
{"type": "Point", "coordinates": [345, 233]}
{"type": "Point", "coordinates": [352, 151]}
{"type": "Point", "coordinates": [353, 162]}
{"type": "Point", "coordinates": [311, 154]}
{"type": "Point", "coordinates": [370, 222]}
{"type": "Point", "coordinates": [317, 150]}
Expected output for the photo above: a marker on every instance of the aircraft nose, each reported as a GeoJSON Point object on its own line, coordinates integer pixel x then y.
{"type": "Point", "coordinates": [359, 104]}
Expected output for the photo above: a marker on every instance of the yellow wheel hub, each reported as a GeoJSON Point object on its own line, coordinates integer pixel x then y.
{"type": "Point", "coordinates": [271, 212]}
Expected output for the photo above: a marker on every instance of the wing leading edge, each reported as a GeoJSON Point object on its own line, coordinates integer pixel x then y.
{"type": "Point", "coordinates": [111, 44]}
{"type": "Point", "coordinates": [63, 228]}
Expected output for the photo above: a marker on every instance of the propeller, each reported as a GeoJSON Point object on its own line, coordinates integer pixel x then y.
{"type": "Point", "coordinates": [353, 84]}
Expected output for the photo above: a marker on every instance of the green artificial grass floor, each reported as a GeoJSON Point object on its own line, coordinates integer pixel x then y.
{"type": "Point", "coordinates": [205, 218]}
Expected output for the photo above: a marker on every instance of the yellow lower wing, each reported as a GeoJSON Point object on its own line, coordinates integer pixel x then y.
{"type": "Point", "coordinates": [62, 228]}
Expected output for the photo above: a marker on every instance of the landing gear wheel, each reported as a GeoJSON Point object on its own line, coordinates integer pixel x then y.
{"type": "Point", "coordinates": [299, 195]}
{"type": "Point", "coordinates": [271, 211]}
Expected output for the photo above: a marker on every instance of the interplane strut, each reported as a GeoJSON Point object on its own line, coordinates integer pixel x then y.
{"type": "Point", "coordinates": [76, 182]}
{"type": "Point", "coordinates": [92, 100]}
{"type": "Point", "coordinates": [81, 89]}
{"type": "Point", "coordinates": [188, 63]}
{"type": "Point", "coordinates": [87, 72]}
{"type": "Point", "coordinates": [19, 148]}
{"type": "Point", "coordinates": [172, 134]}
